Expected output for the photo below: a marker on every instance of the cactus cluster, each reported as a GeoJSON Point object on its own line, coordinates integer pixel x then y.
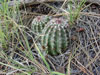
{"type": "Point", "coordinates": [55, 36]}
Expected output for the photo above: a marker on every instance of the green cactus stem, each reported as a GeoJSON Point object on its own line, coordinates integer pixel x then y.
{"type": "Point", "coordinates": [39, 23]}
{"type": "Point", "coordinates": [55, 39]}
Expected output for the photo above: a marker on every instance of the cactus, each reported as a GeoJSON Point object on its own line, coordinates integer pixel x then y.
{"type": "Point", "coordinates": [39, 23]}
{"type": "Point", "coordinates": [55, 39]}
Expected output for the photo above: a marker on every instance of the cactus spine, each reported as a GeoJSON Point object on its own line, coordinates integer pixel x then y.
{"type": "Point", "coordinates": [55, 37]}
{"type": "Point", "coordinates": [39, 23]}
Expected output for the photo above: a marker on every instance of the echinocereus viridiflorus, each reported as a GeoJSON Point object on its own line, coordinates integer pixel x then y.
{"type": "Point", "coordinates": [55, 36]}
{"type": "Point", "coordinates": [39, 23]}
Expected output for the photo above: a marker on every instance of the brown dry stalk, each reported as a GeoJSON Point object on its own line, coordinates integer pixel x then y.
{"type": "Point", "coordinates": [22, 2]}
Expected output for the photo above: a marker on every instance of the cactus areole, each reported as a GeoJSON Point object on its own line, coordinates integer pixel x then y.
{"type": "Point", "coordinates": [55, 36]}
